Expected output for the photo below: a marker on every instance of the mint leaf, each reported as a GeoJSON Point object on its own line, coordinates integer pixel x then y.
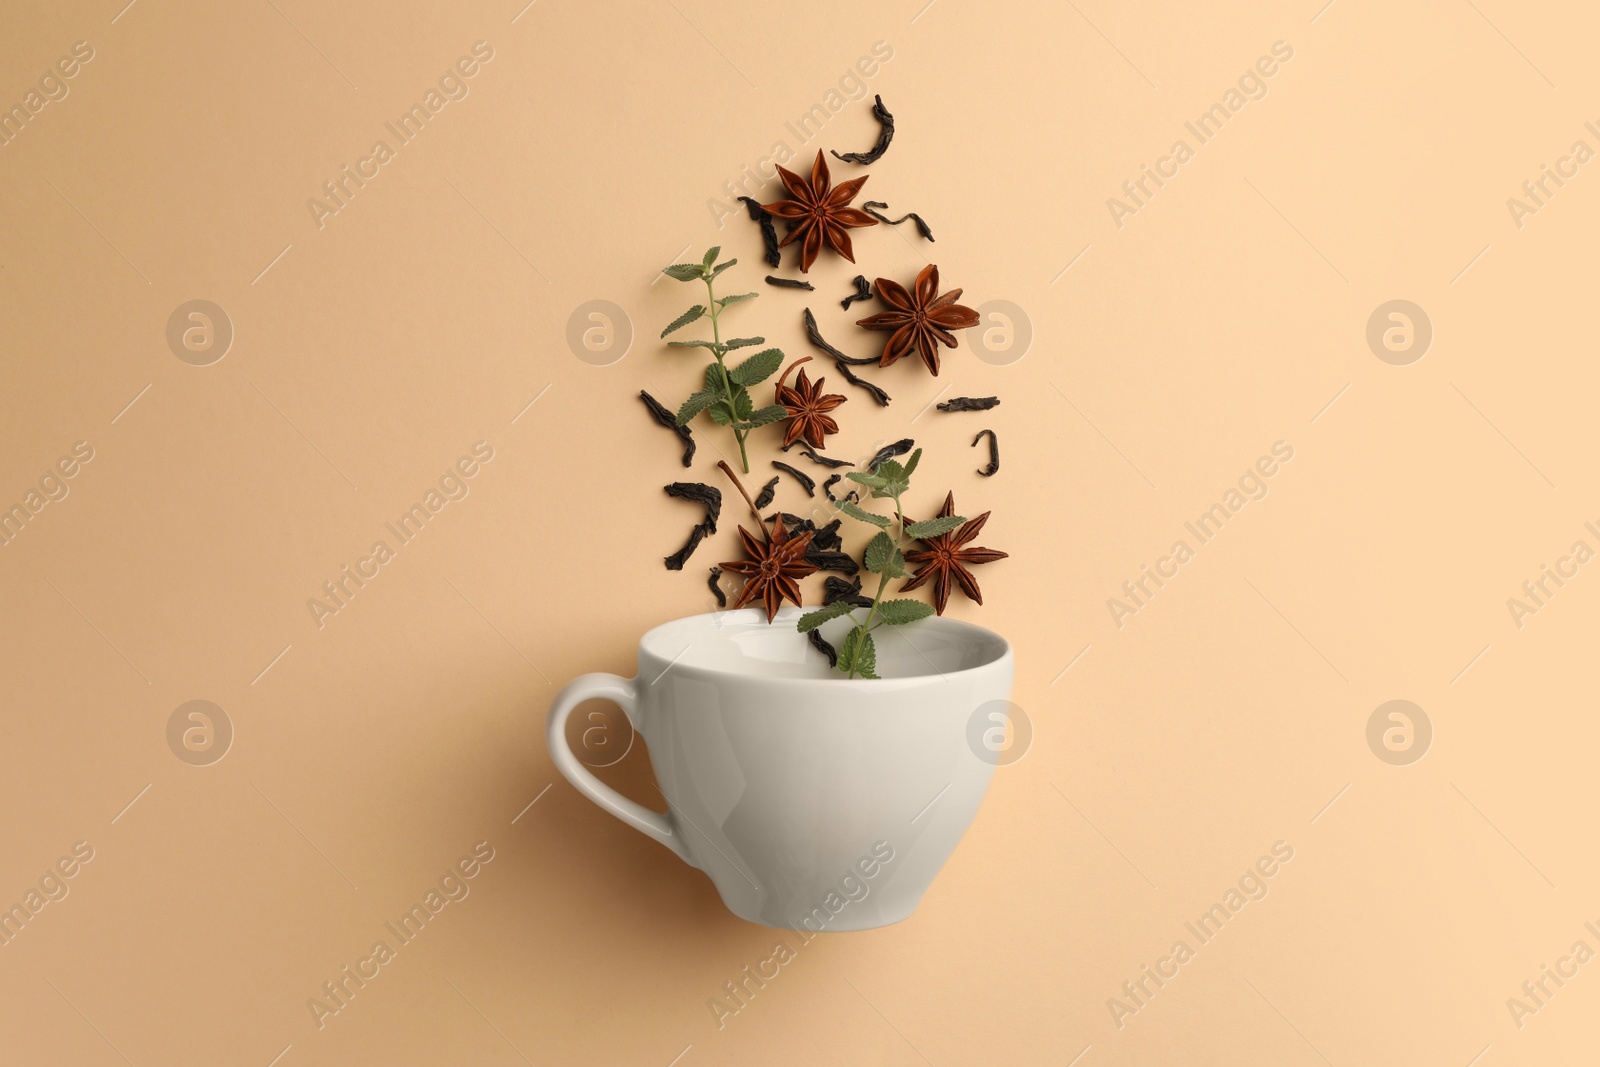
{"type": "Point", "coordinates": [723, 266]}
{"type": "Point", "coordinates": [714, 378]}
{"type": "Point", "coordinates": [743, 406]}
{"type": "Point", "coordinates": [895, 480]}
{"type": "Point", "coordinates": [900, 612]}
{"type": "Point", "coordinates": [813, 619]}
{"type": "Point", "coordinates": [765, 417]}
{"type": "Point", "coordinates": [881, 557]}
{"type": "Point", "coordinates": [863, 515]}
{"type": "Point", "coordinates": [743, 342]}
{"type": "Point", "coordinates": [711, 257]}
{"type": "Point", "coordinates": [685, 272]}
{"type": "Point", "coordinates": [871, 481]}
{"type": "Point", "coordinates": [725, 301]}
{"type": "Point", "coordinates": [927, 528]}
{"type": "Point", "coordinates": [911, 464]}
{"type": "Point", "coordinates": [696, 403]}
{"type": "Point", "coordinates": [685, 319]}
{"type": "Point", "coordinates": [847, 650]}
{"type": "Point", "coordinates": [758, 367]}
{"type": "Point", "coordinates": [865, 660]}
{"type": "Point", "coordinates": [720, 413]}
{"type": "Point", "coordinates": [711, 346]}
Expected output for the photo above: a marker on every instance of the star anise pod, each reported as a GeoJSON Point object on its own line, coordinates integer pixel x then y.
{"type": "Point", "coordinates": [947, 556]}
{"type": "Point", "coordinates": [772, 568]}
{"type": "Point", "coordinates": [920, 320]}
{"type": "Point", "coordinates": [808, 408]}
{"type": "Point", "coordinates": [819, 212]}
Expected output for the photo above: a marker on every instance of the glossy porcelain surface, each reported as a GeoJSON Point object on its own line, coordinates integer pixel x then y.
{"type": "Point", "coordinates": [811, 801]}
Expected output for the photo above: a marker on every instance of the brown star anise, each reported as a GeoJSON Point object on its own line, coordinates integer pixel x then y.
{"type": "Point", "coordinates": [920, 321]}
{"type": "Point", "coordinates": [772, 568]}
{"type": "Point", "coordinates": [948, 557]}
{"type": "Point", "coordinates": [819, 212]}
{"type": "Point", "coordinates": [808, 408]}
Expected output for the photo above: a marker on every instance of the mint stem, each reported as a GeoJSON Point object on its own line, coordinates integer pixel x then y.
{"type": "Point", "coordinates": [866, 627]}
{"type": "Point", "coordinates": [727, 383]}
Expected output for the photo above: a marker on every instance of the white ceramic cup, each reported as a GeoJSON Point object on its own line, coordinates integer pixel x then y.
{"type": "Point", "coordinates": [812, 801]}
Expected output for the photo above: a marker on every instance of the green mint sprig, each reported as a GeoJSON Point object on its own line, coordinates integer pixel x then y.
{"type": "Point", "coordinates": [883, 556]}
{"type": "Point", "coordinates": [725, 396]}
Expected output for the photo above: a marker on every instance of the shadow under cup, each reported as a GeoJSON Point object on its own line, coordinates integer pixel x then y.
{"type": "Point", "coordinates": [812, 801]}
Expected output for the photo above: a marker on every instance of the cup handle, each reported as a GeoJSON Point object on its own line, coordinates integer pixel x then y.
{"type": "Point", "coordinates": [621, 692]}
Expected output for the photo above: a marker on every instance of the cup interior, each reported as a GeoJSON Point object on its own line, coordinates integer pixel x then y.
{"type": "Point", "coordinates": [742, 643]}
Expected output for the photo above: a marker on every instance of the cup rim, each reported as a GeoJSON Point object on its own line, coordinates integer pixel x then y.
{"type": "Point", "coordinates": [788, 614]}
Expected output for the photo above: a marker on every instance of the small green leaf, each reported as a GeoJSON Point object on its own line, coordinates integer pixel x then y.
{"type": "Point", "coordinates": [722, 266]}
{"type": "Point", "coordinates": [685, 272]}
{"type": "Point", "coordinates": [685, 319]}
{"type": "Point", "coordinates": [711, 257]}
{"type": "Point", "coordinates": [895, 480]}
{"type": "Point", "coordinates": [900, 612]}
{"type": "Point", "coordinates": [813, 619]}
{"type": "Point", "coordinates": [865, 660]}
{"type": "Point", "coordinates": [714, 378]}
{"type": "Point", "coordinates": [743, 406]}
{"type": "Point", "coordinates": [720, 414]}
{"type": "Point", "coordinates": [758, 367]}
{"type": "Point", "coordinates": [743, 342]}
{"type": "Point", "coordinates": [934, 527]}
{"type": "Point", "coordinates": [871, 481]}
{"type": "Point", "coordinates": [696, 403]}
{"type": "Point", "coordinates": [864, 515]}
{"type": "Point", "coordinates": [765, 417]}
{"type": "Point", "coordinates": [708, 345]}
{"type": "Point", "coordinates": [847, 650]}
{"type": "Point", "coordinates": [911, 464]}
{"type": "Point", "coordinates": [881, 557]}
{"type": "Point", "coordinates": [725, 301]}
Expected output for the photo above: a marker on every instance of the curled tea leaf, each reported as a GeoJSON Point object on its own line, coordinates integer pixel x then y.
{"type": "Point", "coordinates": [885, 135]}
{"type": "Point", "coordinates": [993, 466]}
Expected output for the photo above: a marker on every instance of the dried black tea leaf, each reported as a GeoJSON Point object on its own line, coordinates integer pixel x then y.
{"type": "Point", "coordinates": [859, 382]}
{"type": "Point", "coordinates": [716, 587]}
{"type": "Point", "coordinates": [699, 493]}
{"type": "Point", "coordinates": [768, 491]}
{"type": "Point", "coordinates": [793, 523]}
{"type": "Point", "coordinates": [670, 421]}
{"type": "Point", "coordinates": [994, 453]}
{"type": "Point", "coordinates": [922, 227]}
{"type": "Point", "coordinates": [821, 461]}
{"type": "Point", "coordinates": [807, 482]}
{"type": "Point", "coordinates": [969, 403]}
{"type": "Point", "coordinates": [827, 537]}
{"type": "Point", "coordinates": [708, 496]}
{"type": "Point", "coordinates": [814, 335]}
{"type": "Point", "coordinates": [697, 533]}
{"type": "Point", "coordinates": [885, 135]}
{"type": "Point", "coordinates": [899, 448]}
{"type": "Point", "coordinates": [834, 588]}
{"type": "Point", "coordinates": [842, 562]}
{"type": "Point", "coordinates": [827, 487]}
{"type": "Point", "coordinates": [769, 235]}
{"type": "Point", "coordinates": [790, 283]}
{"type": "Point", "coordinates": [820, 643]}
{"type": "Point", "coordinates": [863, 292]}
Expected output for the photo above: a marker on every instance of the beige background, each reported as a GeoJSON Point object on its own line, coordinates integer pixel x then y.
{"type": "Point", "coordinates": [1228, 714]}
